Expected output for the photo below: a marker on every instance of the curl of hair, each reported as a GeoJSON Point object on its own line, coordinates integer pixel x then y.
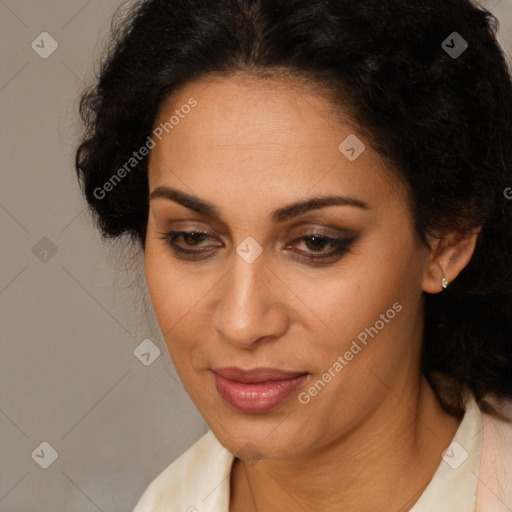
{"type": "Point", "coordinates": [443, 124]}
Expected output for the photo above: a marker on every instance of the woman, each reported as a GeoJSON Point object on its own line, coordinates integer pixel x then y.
{"type": "Point", "coordinates": [319, 188]}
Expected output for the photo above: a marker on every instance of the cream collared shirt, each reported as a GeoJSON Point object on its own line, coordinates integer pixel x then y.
{"type": "Point", "coordinates": [475, 474]}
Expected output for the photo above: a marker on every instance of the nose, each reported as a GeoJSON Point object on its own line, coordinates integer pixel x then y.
{"type": "Point", "coordinates": [250, 308]}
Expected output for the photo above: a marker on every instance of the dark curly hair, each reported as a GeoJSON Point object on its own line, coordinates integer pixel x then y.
{"type": "Point", "coordinates": [443, 122]}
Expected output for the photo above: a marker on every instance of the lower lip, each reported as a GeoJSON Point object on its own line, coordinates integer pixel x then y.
{"type": "Point", "coordinates": [256, 397]}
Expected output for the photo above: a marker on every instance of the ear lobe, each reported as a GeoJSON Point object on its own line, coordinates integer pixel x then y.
{"type": "Point", "coordinates": [449, 255]}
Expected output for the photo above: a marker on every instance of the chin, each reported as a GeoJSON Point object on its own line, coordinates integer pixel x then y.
{"type": "Point", "coordinates": [259, 436]}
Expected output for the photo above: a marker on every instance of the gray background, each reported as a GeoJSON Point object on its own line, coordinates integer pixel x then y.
{"type": "Point", "coordinates": [70, 321]}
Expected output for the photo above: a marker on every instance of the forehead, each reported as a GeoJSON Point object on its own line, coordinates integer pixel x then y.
{"type": "Point", "coordinates": [243, 133]}
{"type": "Point", "coordinates": [239, 110]}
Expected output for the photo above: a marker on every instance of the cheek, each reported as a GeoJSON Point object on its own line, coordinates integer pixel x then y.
{"type": "Point", "coordinates": [172, 289]}
{"type": "Point", "coordinates": [169, 297]}
{"type": "Point", "coordinates": [355, 294]}
{"type": "Point", "coordinates": [176, 295]}
{"type": "Point", "coordinates": [159, 283]}
{"type": "Point", "coordinates": [372, 310]}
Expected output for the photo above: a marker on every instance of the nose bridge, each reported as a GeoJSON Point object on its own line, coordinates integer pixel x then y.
{"type": "Point", "coordinates": [248, 308]}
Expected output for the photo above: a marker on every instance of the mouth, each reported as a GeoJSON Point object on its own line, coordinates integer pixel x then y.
{"type": "Point", "coordinates": [257, 390]}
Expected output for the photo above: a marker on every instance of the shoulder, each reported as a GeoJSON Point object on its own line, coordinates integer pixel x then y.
{"type": "Point", "coordinates": [495, 475]}
{"type": "Point", "coordinates": [197, 480]}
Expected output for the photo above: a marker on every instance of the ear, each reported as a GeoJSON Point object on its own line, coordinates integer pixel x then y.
{"type": "Point", "coordinates": [448, 257]}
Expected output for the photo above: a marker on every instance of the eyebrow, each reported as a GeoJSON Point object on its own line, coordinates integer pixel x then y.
{"type": "Point", "coordinates": [278, 215]}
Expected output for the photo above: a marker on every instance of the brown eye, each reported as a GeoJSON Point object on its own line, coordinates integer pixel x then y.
{"type": "Point", "coordinates": [179, 241]}
{"type": "Point", "coordinates": [193, 237]}
{"type": "Point", "coordinates": [316, 244]}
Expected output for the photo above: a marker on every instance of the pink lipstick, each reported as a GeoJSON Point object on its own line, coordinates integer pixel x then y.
{"type": "Point", "coordinates": [257, 390]}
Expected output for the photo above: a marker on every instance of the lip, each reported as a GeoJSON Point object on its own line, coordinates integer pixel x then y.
{"type": "Point", "coordinates": [256, 390]}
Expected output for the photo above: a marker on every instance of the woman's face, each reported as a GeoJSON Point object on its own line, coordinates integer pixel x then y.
{"type": "Point", "coordinates": [338, 315]}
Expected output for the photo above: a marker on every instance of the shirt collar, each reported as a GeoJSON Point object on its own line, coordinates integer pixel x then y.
{"type": "Point", "coordinates": [454, 484]}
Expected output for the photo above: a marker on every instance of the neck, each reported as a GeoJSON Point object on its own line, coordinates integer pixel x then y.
{"type": "Point", "coordinates": [385, 463]}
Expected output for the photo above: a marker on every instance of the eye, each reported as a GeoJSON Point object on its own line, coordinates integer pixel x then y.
{"type": "Point", "coordinates": [316, 244]}
{"type": "Point", "coordinates": [179, 241]}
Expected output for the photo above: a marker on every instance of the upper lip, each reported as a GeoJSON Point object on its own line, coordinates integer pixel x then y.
{"type": "Point", "coordinates": [255, 374]}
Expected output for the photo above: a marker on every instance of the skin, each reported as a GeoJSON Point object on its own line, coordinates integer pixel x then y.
{"type": "Point", "coordinates": [373, 437]}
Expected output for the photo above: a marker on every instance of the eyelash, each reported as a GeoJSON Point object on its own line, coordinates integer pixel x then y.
{"type": "Point", "coordinates": [341, 245]}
